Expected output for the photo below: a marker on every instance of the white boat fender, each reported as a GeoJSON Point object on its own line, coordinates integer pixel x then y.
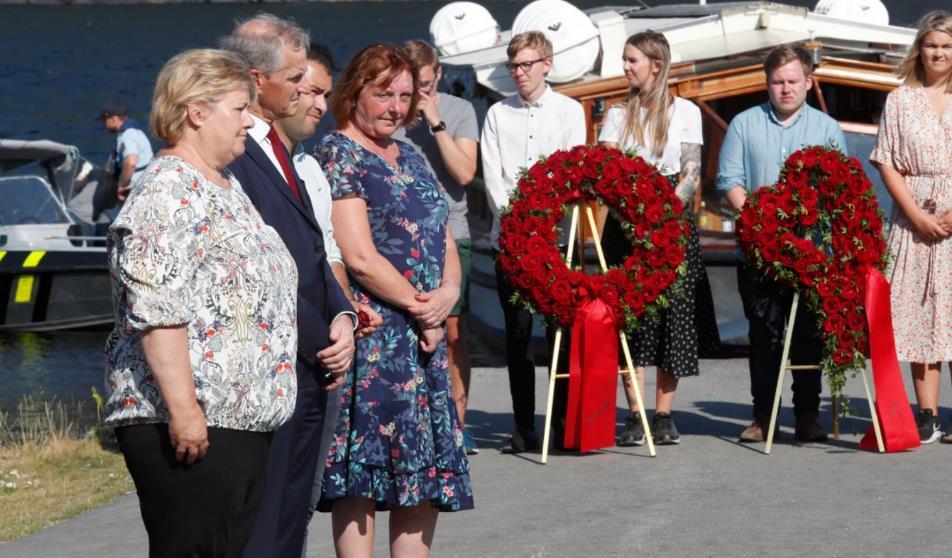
{"type": "Point", "coordinates": [463, 27]}
{"type": "Point", "coordinates": [574, 38]}
{"type": "Point", "coordinates": [863, 11]}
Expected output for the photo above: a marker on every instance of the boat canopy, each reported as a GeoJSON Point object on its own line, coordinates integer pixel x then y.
{"type": "Point", "coordinates": [61, 162]}
{"type": "Point", "coordinates": [700, 33]}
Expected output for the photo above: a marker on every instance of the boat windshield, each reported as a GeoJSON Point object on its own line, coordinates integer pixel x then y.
{"type": "Point", "coordinates": [28, 200]}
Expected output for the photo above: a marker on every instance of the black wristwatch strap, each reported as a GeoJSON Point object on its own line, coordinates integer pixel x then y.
{"type": "Point", "coordinates": [439, 127]}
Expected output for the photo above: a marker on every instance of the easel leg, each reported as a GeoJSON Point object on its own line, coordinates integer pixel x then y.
{"type": "Point", "coordinates": [551, 397]}
{"type": "Point", "coordinates": [783, 368]}
{"type": "Point", "coordinates": [638, 399]}
{"type": "Point", "coordinates": [873, 414]}
{"type": "Point", "coordinates": [836, 417]}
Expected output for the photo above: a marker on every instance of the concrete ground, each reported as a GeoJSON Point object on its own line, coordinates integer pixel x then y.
{"type": "Point", "coordinates": [709, 496]}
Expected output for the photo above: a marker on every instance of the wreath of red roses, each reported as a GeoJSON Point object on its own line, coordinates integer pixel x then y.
{"type": "Point", "coordinates": [819, 229]}
{"type": "Point", "coordinates": [636, 192]}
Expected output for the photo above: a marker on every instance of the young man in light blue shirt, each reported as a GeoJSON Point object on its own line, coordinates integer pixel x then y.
{"type": "Point", "coordinates": [757, 143]}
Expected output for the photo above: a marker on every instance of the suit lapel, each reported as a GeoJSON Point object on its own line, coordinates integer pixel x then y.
{"type": "Point", "coordinates": [277, 180]}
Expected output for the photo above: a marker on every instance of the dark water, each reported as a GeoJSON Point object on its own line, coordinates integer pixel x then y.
{"type": "Point", "coordinates": [59, 64]}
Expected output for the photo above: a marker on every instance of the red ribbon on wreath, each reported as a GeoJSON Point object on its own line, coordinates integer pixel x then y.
{"type": "Point", "coordinates": [593, 365]}
{"type": "Point", "coordinates": [896, 422]}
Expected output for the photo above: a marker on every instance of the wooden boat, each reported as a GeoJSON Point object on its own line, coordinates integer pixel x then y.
{"type": "Point", "coordinates": [718, 52]}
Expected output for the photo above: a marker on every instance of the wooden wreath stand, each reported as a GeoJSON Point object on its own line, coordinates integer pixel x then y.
{"type": "Point", "coordinates": [784, 366]}
{"type": "Point", "coordinates": [553, 376]}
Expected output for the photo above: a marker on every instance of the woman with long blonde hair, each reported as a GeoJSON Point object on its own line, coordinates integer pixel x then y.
{"type": "Point", "coordinates": [913, 153]}
{"type": "Point", "coordinates": [666, 131]}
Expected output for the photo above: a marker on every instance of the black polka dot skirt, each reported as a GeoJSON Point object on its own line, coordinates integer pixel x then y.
{"type": "Point", "coordinates": [687, 327]}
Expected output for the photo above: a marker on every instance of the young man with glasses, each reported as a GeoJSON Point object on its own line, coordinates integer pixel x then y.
{"type": "Point", "coordinates": [447, 135]}
{"type": "Point", "coordinates": [517, 132]}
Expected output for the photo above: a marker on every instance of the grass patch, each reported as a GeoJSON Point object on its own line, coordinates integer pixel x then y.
{"type": "Point", "coordinates": [53, 466]}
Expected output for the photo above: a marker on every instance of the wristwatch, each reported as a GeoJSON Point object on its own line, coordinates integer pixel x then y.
{"type": "Point", "coordinates": [438, 128]}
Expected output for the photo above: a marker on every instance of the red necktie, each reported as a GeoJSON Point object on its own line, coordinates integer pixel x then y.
{"type": "Point", "coordinates": [281, 153]}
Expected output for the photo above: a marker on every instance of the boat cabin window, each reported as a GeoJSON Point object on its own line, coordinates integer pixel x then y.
{"type": "Point", "coordinates": [28, 200]}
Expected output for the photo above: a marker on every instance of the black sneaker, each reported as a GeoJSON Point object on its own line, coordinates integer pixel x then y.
{"type": "Point", "coordinates": [663, 430]}
{"type": "Point", "coordinates": [633, 434]}
{"type": "Point", "coordinates": [928, 424]}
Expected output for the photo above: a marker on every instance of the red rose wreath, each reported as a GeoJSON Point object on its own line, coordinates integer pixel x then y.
{"type": "Point", "coordinates": [636, 192]}
{"type": "Point", "coordinates": [819, 229]}
{"type": "Point", "coordinates": [595, 306]}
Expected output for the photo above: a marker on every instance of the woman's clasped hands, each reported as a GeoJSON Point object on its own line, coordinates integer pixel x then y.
{"type": "Point", "coordinates": [431, 310]}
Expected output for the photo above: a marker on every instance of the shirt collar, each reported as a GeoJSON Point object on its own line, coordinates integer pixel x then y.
{"type": "Point", "coordinates": [773, 117]}
{"type": "Point", "coordinates": [260, 129]}
{"type": "Point", "coordinates": [540, 101]}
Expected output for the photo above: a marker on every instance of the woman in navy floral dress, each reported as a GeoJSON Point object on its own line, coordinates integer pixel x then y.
{"type": "Point", "coordinates": [398, 444]}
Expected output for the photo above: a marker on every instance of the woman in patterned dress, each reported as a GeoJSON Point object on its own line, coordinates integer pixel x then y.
{"type": "Point", "coordinates": [914, 156]}
{"type": "Point", "coordinates": [398, 444]}
{"type": "Point", "coordinates": [200, 364]}
{"type": "Point", "coordinates": [665, 131]}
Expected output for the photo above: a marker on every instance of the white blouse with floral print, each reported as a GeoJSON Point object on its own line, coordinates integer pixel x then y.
{"type": "Point", "coordinates": [184, 251]}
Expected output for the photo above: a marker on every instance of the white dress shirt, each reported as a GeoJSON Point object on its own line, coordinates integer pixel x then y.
{"type": "Point", "coordinates": [517, 133]}
{"type": "Point", "coordinates": [319, 190]}
{"type": "Point", "coordinates": [259, 133]}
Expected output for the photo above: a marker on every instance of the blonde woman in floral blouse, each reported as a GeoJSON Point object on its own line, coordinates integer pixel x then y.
{"type": "Point", "coordinates": [913, 153]}
{"type": "Point", "coordinates": [200, 365]}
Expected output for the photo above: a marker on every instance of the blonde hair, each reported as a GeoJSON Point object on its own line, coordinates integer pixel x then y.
{"type": "Point", "coordinates": [422, 54]}
{"type": "Point", "coordinates": [194, 76]}
{"type": "Point", "coordinates": [910, 69]}
{"type": "Point", "coordinates": [785, 54]}
{"type": "Point", "coordinates": [655, 101]}
{"type": "Point", "coordinates": [530, 39]}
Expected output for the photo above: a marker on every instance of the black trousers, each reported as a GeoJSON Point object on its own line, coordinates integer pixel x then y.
{"type": "Point", "coordinates": [519, 361]}
{"type": "Point", "coordinates": [767, 308]}
{"type": "Point", "coordinates": [281, 525]}
{"type": "Point", "coordinates": [206, 509]}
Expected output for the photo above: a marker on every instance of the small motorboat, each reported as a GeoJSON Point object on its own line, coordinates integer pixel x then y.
{"type": "Point", "coordinates": [53, 271]}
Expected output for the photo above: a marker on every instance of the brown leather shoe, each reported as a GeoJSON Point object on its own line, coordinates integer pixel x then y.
{"type": "Point", "coordinates": [756, 432]}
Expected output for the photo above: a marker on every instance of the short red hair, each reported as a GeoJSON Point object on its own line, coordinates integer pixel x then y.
{"type": "Point", "coordinates": [377, 62]}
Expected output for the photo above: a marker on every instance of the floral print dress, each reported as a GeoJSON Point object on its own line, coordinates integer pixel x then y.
{"type": "Point", "coordinates": [917, 142]}
{"type": "Point", "coordinates": [398, 439]}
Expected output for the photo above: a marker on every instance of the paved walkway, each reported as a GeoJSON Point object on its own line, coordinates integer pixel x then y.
{"type": "Point", "coordinates": [710, 496]}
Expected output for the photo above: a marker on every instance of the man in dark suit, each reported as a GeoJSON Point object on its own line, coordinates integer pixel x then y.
{"type": "Point", "coordinates": [276, 51]}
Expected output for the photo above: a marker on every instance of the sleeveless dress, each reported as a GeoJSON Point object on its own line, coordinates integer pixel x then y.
{"type": "Point", "coordinates": [398, 439]}
{"type": "Point", "coordinates": [917, 142]}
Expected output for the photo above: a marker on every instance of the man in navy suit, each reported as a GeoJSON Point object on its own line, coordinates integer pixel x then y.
{"type": "Point", "coordinates": [276, 51]}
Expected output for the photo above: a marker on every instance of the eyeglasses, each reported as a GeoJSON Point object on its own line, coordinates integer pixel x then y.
{"type": "Point", "coordinates": [524, 66]}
